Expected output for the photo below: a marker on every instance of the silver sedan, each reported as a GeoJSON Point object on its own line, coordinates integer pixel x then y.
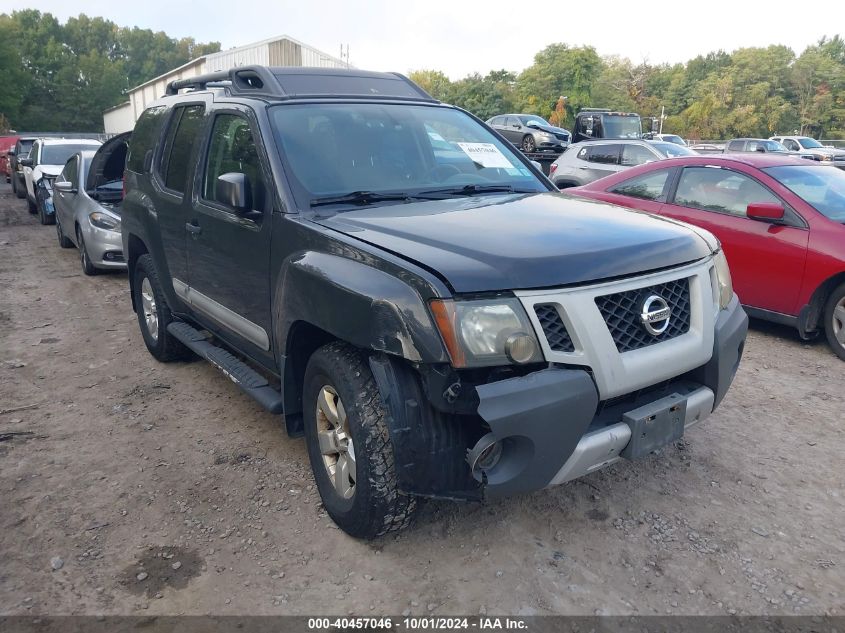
{"type": "Point", "coordinates": [87, 196]}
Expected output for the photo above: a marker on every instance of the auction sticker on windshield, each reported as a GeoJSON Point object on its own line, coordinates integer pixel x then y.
{"type": "Point", "coordinates": [485, 154]}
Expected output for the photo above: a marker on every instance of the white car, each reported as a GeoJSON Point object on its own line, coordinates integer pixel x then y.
{"type": "Point", "coordinates": [807, 145]}
{"type": "Point", "coordinates": [669, 138]}
{"type": "Point", "coordinates": [46, 159]}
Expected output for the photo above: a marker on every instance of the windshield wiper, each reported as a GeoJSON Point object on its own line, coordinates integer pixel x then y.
{"type": "Point", "coordinates": [471, 190]}
{"type": "Point", "coordinates": [359, 197]}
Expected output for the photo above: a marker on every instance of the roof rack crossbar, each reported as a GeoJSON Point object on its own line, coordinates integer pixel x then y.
{"type": "Point", "coordinates": [196, 83]}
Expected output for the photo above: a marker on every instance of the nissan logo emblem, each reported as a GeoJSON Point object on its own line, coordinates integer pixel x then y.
{"type": "Point", "coordinates": [655, 315]}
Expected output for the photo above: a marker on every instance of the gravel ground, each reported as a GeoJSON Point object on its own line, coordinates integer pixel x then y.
{"type": "Point", "coordinates": [135, 487]}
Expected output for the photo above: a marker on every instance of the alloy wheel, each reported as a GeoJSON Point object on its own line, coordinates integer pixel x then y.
{"type": "Point", "coordinates": [335, 442]}
{"type": "Point", "coordinates": [148, 305]}
{"type": "Point", "coordinates": [838, 322]}
{"type": "Point", "coordinates": [528, 144]}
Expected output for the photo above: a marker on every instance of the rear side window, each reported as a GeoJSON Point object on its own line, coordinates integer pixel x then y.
{"type": "Point", "coordinates": [604, 154]}
{"type": "Point", "coordinates": [144, 137]}
{"type": "Point", "coordinates": [179, 145]}
{"type": "Point", "coordinates": [735, 146]}
{"type": "Point", "coordinates": [636, 155]}
{"type": "Point", "coordinates": [647, 187]}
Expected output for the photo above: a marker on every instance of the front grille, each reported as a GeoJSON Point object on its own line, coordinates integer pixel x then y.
{"type": "Point", "coordinates": [554, 329]}
{"type": "Point", "coordinates": [621, 312]}
{"type": "Point", "coordinates": [562, 137]}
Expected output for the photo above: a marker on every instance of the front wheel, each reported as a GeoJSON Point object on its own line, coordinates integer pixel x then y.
{"type": "Point", "coordinates": [349, 444]}
{"type": "Point", "coordinates": [528, 144]}
{"type": "Point", "coordinates": [154, 314]}
{"type": "Point", "coordinates": [834, 321]}
{"type": "Point", "coordinates": [85, 258]}
{"type": "Point", "coordinates": [64, 242]}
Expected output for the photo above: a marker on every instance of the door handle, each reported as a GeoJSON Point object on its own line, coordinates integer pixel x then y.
{"type": "Point", "coordinates": [193, 229]}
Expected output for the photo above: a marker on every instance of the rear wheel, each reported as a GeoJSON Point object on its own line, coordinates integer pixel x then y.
{"type": "Point", "coordinates": [33, 208]}
{"type": "Point", "coordinates": [87, 266]}
{"type": "Point", "coordinates": [834, 321]}
{"type": "Point", "coordinates": [154, 314]}
{"type": "Point", "coordinates": [20, 189]}
{"type": "Point", "coordinates": [349, 444]}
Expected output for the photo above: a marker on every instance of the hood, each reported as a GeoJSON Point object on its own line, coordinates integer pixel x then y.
{"type": "Point", "coordinates": [108, 162]}
{"type": "Point", "coordinates": [553, 130]}
{"type": "Point", "coordinates": [522, 241]}
{"type": "Point", "coordinates": [48, 170]}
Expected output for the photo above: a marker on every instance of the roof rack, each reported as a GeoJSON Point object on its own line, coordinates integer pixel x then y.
{"type": "Point", "coordinates": [196, 83]}
{"type": "Point", "coordinates": [302, 82]}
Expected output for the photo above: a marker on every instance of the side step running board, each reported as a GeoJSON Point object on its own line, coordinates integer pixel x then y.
{"type": "Point", "coordinates": [253, 383]}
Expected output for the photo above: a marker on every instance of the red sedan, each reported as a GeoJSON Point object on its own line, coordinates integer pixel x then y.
{"type": "Point", "coordinates": [781, 222]}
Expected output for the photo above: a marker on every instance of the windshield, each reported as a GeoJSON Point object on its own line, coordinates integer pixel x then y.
{"type": "Point", "coordinates": [672, 150]}
{"type": "Point", "coordinates": [616, 126]}
{"type": "Point", "coordinates": [821, 187]}
{"type": "Point", "coordinates": [533, 120]}
{"type": "Point", "coordinates": [340, 149]}
{"type": "Point", "coordinates": [59, 154]}
{"type": "Point", "coordinates": [674, 138]}
{"type": "Point", "coordinates": [809, 143]}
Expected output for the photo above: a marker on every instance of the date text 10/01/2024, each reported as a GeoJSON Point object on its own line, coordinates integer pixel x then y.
{"type": "Point", "coordinates": [417, 623]}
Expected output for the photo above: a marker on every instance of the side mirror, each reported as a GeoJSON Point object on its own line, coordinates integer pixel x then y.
{"type": "Point", "coordinates": [64, 186]}
{"type": "Point", "coordinates": [760, 148]}
{"type": "Point", "coordinates": [765, 211]}
{"type": "Point", "coordinates": [25, 162]}
{"type": "Point", "coordinates": [11, 152]}
{"type": "Point", "coordinates": [234, 190]}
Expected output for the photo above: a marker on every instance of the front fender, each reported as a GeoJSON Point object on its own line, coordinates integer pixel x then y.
{"type": "Point", "coordinates": [357, 303]}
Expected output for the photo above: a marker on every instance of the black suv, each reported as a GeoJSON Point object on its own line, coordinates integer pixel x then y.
{"type": "Point", "coordinates": [411, 293]}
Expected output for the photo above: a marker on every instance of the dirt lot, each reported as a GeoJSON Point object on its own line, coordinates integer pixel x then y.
{"type": "Point", "coordinates": [137, 487]}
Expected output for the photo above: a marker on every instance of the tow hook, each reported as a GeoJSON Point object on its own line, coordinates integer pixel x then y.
{"type": "Point", "coordinates": [452, 392]}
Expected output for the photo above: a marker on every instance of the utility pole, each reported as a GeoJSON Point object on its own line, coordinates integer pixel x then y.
{"type": "Point", "coordinates": [662, 116]}
{"type": "Point", "coordinates": [344, 55]}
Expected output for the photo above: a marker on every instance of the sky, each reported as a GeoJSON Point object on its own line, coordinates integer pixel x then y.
{"type": "Point", "coordinates": [460, 37]}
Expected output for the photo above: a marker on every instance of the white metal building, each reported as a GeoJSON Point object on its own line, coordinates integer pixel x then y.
{"type": "Point", "coordinates": [276, 51]}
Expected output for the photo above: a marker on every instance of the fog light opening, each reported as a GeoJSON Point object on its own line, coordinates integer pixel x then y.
{"type": "Point", "coordinates": [484, 455]}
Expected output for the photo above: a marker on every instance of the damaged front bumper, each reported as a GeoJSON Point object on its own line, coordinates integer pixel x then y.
{"type": "Point", "coordinates": [552, 428]}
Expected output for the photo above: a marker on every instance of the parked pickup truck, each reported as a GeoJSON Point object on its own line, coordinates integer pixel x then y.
{"type": "Point", "coordinates": [437, 322]}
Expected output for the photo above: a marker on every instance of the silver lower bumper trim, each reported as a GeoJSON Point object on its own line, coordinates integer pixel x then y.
{"type": "Point", "coordinates": [601, 448]}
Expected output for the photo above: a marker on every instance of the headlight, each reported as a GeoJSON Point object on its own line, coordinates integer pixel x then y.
{"type": "Point", "coordinates": [724, 285]}
{"type": "Point", "coordinates": [827, 157]}
{"type": "Point", "coordinates": [104, 221]}
{"type": "Point", "coordinates": [484, 333]}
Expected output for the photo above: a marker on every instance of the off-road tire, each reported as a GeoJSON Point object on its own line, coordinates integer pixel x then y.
{"type": "Point", "coordinates": [377, 506]}
{"type": "Point", "coordinates": [64, 241]}
{"type": "Point", "coordinates": [31, 206]}
{"type": "Point", "coordinates": [165, 348]}
{"type": "Point", "coordinates": [836, 297]}
{"type": "Point", "coordinates": [20, 191]}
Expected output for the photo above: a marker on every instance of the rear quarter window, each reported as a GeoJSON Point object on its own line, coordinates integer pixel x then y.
{"type": "Point", "coordinates": [144, 137]}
